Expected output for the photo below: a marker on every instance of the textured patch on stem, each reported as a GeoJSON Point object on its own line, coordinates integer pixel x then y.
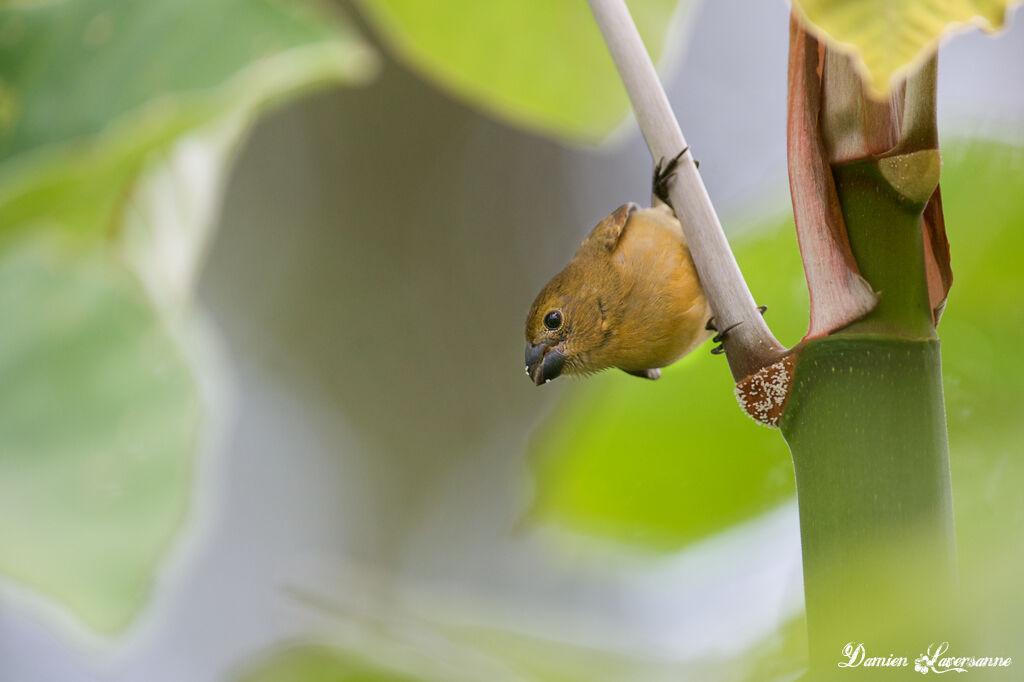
{"type": "Point", "coordinates": [763, 395]}
{"type": "Point", "coordinates": [839, 295]}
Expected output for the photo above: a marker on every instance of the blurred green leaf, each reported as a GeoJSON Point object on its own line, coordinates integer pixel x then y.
{"type": "Point", "coordinates": [535, 63]}
{"type": "Point", "coordinates": [99, 417]}
{"type": "Point", "coordinates": [100, 410]}
{"type": "Point", "coordinates": [319, 663]}
{"type": "Point", "coordinates": [981, 331]}
{"type": "Point", "coordinates": [89, 88]}
{"type": "Point", "coordinates": [659, 464]}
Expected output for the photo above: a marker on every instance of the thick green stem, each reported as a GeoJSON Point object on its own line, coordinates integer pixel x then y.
{"type": "Point", "coordinates": [866, 426]}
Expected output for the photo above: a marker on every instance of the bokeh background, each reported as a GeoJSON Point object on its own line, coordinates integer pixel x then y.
{"type": "Point", "coordinates": [375, 491]}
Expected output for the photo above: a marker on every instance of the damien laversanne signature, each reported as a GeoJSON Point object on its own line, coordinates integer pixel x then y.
{"type": "Point", "coordinates": [933, 660]}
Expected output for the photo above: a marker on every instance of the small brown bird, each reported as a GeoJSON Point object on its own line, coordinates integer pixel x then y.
{"type": "Point", "coordinates": [630, 298]}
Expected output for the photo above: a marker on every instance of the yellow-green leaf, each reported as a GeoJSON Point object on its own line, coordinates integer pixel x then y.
{"type": "Point", "coordinates": [535, 63]}
{"type": "Point", "coordinates": [891, 36]}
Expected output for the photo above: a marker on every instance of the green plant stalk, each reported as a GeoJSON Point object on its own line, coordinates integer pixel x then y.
{"type": "Point", "coordinates": [866, 427]}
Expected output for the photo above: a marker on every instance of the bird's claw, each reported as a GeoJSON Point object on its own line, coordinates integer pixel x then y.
{"type": "Point", "coordinates": [719, 336]}
{"type": "Point", "coordinates": [664, 171]}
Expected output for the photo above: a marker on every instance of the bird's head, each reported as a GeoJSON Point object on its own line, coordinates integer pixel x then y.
{"type": "Point", "coordinates": [566, 323]}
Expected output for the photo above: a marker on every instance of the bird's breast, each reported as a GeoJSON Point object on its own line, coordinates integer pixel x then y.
{"type": "Point", "coordinates": [664, 310]}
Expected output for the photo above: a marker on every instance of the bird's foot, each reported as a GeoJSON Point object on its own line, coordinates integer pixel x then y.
{"type": "Point", "coordinates": [664, 172]}
{"type": "Point", "coordinates": [719, 336]}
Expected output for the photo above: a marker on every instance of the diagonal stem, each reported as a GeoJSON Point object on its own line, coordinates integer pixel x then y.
{"type": "Point", "coordinates": [750, 345]}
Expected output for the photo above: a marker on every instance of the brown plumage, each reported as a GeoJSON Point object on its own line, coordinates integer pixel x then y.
{"type": "Point", "coordinates": [630, 298]}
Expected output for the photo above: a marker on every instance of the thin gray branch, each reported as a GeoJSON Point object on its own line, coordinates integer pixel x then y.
{"type": "Point", "coordinates": [750, 345]}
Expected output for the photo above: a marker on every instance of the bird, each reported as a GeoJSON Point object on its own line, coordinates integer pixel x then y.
{"type": "Point", "coordinates": [630, 298]}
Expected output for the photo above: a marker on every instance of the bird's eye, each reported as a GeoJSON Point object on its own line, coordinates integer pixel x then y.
{"type": "Point", "coordinates": [553, 320]}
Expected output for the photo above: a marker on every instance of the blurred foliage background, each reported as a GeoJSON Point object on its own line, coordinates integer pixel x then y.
{"type": "Point", "coordinates": [263, 269]}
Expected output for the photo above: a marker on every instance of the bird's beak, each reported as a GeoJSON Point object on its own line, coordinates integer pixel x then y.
{"type": "Point", "coordinates": [543, 362]}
